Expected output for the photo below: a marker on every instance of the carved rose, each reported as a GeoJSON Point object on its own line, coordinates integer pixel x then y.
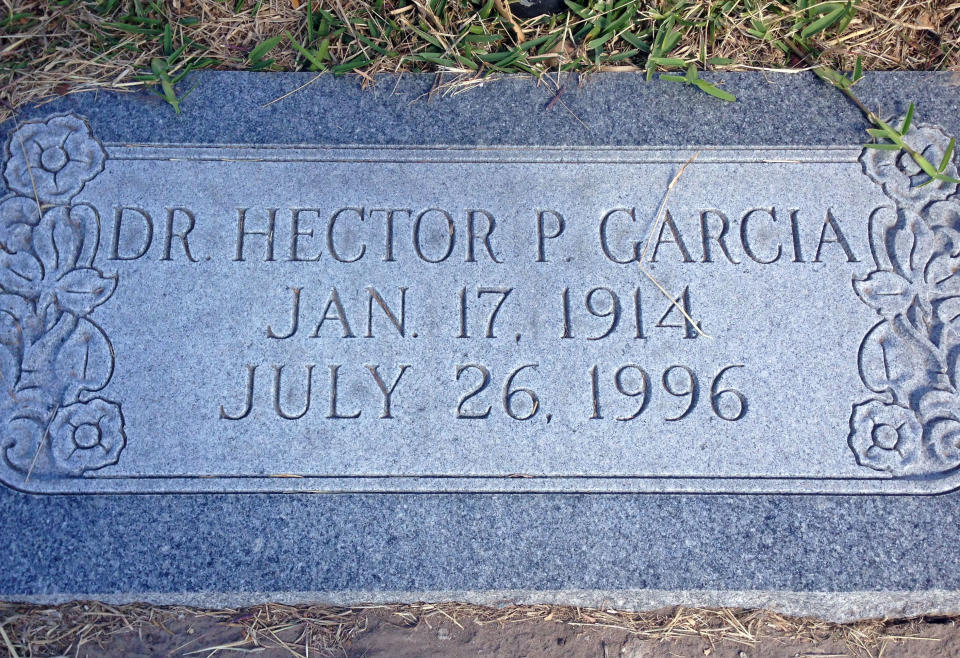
{"type": "Point", "coordinates": [899, 174]}
{"type": "Point", "coordinates": [885, 437]}
{"type": "Point", "coordinates": [87, 435]}
{"type": "Point", "coordinates": [52, 160]}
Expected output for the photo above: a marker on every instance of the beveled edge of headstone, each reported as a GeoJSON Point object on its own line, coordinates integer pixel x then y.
{"type": "Point", "coordinates": [608, 109]}
{"type": "Point", "coordinates": [833, 606]}
{"type": "Point", "coordinates": [294, 484]}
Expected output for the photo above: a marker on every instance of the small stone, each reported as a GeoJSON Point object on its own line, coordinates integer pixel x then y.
{"type": "Point", "coordinates": [523, 9]}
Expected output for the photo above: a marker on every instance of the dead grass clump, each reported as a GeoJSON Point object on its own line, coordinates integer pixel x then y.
{"type": "Point", "coordinates": [60, 630]}
{"type": "Point", "coordinates": [29, 630]}
{"type": "Point", "coordinates": [746, 627]}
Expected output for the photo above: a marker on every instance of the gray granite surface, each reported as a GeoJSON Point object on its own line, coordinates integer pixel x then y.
{"type": "Point", "coordinates": [827, 380]}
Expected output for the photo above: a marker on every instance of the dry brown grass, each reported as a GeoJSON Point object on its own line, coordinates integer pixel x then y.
{"type": "Point", "coordinates": [47, 49]}
{"type": "Point", "coordinates": [28, 630]}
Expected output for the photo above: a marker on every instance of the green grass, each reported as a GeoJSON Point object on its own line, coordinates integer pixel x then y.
{"type": "Point", "coordinates": [45, 44]}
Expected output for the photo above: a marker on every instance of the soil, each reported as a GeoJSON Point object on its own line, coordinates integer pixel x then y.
{"type": "Point", "coordinates": [391, 633]}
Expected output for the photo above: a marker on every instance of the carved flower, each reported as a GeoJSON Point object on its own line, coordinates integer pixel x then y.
{"type": "Point", "coordinates": [52, 160]}
{"type": "Point", "coordinates": [885, 437]}
{"type": "Point", "coordinates": [901, 177]}
{"type": "Point", "coordinates": [18, 216]}
{"type": "Point", "coordinates": [85, 436]}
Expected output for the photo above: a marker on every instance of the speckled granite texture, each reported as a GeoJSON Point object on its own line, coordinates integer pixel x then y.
{"type": "Point", "coordinates": [841, 557]}
{"type": "Point", "coordinates": [616, 109]}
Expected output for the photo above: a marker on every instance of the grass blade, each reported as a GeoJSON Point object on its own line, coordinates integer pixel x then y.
{"type": "Point", "coordinates": [823, 22]}
{"type": "Point", "coordinates": [715, 91]}
{"type": "Point", "coordinates": [947, 155]}
{"type": "Point", "coordinates": [256, 55]}
{"type": "Point", "coordinates": [907, 120]}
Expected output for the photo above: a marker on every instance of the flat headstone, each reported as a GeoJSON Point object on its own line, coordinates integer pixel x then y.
{"type": "Point", "coordinates": [606, 337]}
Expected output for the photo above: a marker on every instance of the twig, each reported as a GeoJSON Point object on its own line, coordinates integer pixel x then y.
{"type": "Point", "coordinates": [504, 10]}
{"type": "Point", "coordinates": [43, 441]}
{"type": "Point", "coordinates": [653, 230]}
{"type": "Point", "coordinates": [291, 93]}
{"type": "Point", "coordinates": [6, 640]}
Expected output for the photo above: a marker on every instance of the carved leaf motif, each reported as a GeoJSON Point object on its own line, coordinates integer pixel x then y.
{"type": "Point", "coordinates": [948, 311]}
{"type": "Point", "coordinates": [881, 221]}
{"type": "Point", "coordinates": [941, 271]}
{"type": "Point", "coordinates": [20, 274]}
{"type": "Point", "coordinates": [73, 357]}
{"type": "Point", "coordinates": [15, 315]}
{"type": "Point", "coordinates": [85, 361]}
{"type": "Point", "coordinates": [80, 291]}
{"type": "Point", "coordinates": [948, 314]}
{"type": "Point", "coordinates": [18, 216]}
{"type": "Point", "coordinates": [37, 375]}
{"type": "Point", "coordinates": [86, 218]}
{"type": "Point", "coordinates": [911, 246]}
{"type": "Point", "coordinates": [14, 335]}
{"type": "Point", "coordinates": [11, 337]}
{"type": "Point", "coordinates": [892, 361]}
{"type": "Point", "coordinates": [887, 292]}
{"type": "Point", "coordinates": [942, 275]}
{"type": "Point", "coordinates": [58, 239]}
{"type": "Point", "coordinates": [944, 215]}
{"type": "Point", "coordinates": [10, 374]}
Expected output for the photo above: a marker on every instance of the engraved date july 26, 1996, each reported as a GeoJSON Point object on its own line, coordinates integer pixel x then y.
{"type": "Point", "coordinates": [625, 392]}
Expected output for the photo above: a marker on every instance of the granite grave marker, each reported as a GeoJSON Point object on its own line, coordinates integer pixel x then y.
{"type": "Point", "coordinates": [394, 308]}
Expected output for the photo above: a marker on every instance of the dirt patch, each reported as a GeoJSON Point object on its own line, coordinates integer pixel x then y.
{"type": "Point", "coordinates": [456, 630]}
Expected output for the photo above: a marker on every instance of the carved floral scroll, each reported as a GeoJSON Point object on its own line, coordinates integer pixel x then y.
{"type": "Point", "coordinates": [911, 427]}
{"type": "Point", "coordinates": [53, 355]}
